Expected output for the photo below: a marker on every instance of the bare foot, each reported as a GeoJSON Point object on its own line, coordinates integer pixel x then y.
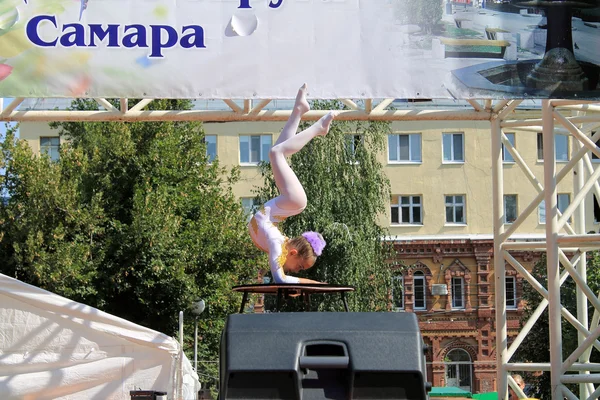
{"type": "Point", "coordinates": [325, 122]}
{"type": "Point", "coordinates": [301, 103]}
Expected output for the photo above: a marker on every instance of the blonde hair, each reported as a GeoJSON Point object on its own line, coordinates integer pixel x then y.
{"type": "Point", "coordinates": [519, 379]}
{"type": "Point", "coordinates": [304, 248]}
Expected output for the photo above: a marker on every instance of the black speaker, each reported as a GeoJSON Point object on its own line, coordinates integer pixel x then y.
{"type": "Point", "coordinates": [322, 355]}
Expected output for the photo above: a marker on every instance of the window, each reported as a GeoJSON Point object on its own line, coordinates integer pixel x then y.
{"type": "Point", "coordinates": [506, 156]}
{"type": "Point", "coordinates": [455, 209]}
{"type": "Point", "coordinates": [50, 146]}
{"type": "Point", "coordinates": [250, 206]}
{"type": "Point", "coordinates": [255, 148]}
{"type": "Point", "coordinates": [563, 201]}
{"type": "Point", "coordinates": [458, 293]}
{"type": "Point", "coordinates": [561, 144]}
{"type": "Point", "coordinates": [406, 148]}
{"type": "Point", "coordinates": [419, 291]}
{"type": "Point", "coordinates": [398, 292]}
{"type": "Point", "coordinates": [453, 145]}
{"type": "Point", "coordinates": [594, 156]}
{"type": "Point", "coordinates": [511, 292]}
{"type": "Point", "coordinates": [211, 147]}
{"type": "Point", "coordinates": [353, 142]}
{"type": "Point", "coordinates": [510, 208]}
{"type": "Point", "coordinates": [407, 211]}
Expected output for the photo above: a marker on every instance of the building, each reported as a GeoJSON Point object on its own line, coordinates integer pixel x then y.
{"type": "Point", "coordinates": [440, 221]}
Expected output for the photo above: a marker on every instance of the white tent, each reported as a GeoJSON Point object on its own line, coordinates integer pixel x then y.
{"type": "Point", "coordinates": [55, 348]}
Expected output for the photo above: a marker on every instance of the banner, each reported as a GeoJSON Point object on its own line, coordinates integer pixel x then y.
{"type": "Point", "coordinates": [266, 49]}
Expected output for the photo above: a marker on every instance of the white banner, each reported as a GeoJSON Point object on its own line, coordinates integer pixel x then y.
{"type": "Point", "coordinates": [219, 49]}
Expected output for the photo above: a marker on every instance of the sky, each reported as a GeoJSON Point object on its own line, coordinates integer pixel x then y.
{"type": "Point", "coordinates": [3, 126]}
{"type": "Point", "coordinates": [7, 101]}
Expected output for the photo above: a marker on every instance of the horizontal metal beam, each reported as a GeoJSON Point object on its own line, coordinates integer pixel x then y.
{"type": "Point", "coordinates": [537, 122]}
{"type": "Point", "coordinates": [562, 103]}
{"type": "Point", "coordinates": [135, 114]}
{"type": "Point", "coordinates": [581, 378]}
{"type": "Point", "coordinates": [582, 107]}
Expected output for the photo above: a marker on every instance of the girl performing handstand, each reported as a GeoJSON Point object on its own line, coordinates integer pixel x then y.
{"type": "Point", "coordinates": [300, 253]}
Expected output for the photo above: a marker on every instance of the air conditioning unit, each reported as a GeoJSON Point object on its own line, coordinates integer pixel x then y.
{"type": "Point", "coordinates": [439, 290]}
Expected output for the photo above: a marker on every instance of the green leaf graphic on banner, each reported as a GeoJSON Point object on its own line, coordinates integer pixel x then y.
{"type": "Point", "coordinates": [8, 18]}
{"type": "Point", "coordinates": [13, 43]}
{"type": "Point", "coordinates": [43, 69]}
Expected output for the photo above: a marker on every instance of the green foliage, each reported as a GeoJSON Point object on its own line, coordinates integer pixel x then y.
{"type": "Point", "coordinates": [132, 219]}
{"type": "Point", "coordinates": [346, 192]}
{"type": "Point", "coordinates": [535, 347]}
{"type": "Point", "coordinates": [425, 13]}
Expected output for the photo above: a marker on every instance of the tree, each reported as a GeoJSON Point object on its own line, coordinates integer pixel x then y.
{"type": "Point", "coordinates": [347, 190]}
{"type": "Point", "coordinates": [535, 346]}
{"type": "Point", "coordinates": [132, 219]}
{"type": "Point", "coordinates": [425, 13]}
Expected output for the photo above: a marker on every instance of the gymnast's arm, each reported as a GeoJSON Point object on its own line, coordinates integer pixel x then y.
{"type": "Point", "coordinates": [277, 271]}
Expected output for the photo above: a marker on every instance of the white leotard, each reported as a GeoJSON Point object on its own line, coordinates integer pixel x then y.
{"type": "Point", "coordinates": [266, 236]}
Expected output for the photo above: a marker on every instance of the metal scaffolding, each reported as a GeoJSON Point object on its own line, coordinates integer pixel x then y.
{"type": "Point", "coordinates": [245, 110]}
{"type": "Point", "coordinates": [565, 117]}
{"type": "Point", "coordinates": [579, 120]}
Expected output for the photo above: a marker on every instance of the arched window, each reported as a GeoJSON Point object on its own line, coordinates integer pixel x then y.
{"type": "Point", "coordinates": [398, 292]}
{"type": "Point", "coordinates": [459, 369]}
{"type": "Point", "coordinates": [419, 287]}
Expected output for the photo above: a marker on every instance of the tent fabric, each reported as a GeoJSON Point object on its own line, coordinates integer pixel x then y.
{"type": "Point", "coordinates": [449, 391]}
{"type": "Point", "coordinates": [55, 348]}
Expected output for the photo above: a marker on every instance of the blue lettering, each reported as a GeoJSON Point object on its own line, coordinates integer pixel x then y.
{"type": "Point", "coordinates": [197, 35]}
{"type": "Point", "coordinates": [245, 4]}
{"type": "Point", "coordinates": [74, 38]}
{"type": "Point", "coordinates": [76, 35]}
{"type": "Point", "coordinates": [32, 32]}
{"type": "Point", "coordinates": [112, 31]}
{"type": "Point", "coordinates": [139, 34]}
{"type": "Point", "coordinates": [276, 5]}
{"type": "Point", "coordinates": [157, 44]}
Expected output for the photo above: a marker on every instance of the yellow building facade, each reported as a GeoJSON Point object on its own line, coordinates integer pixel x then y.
{"type": "Point", "coordinates": [430, 179]}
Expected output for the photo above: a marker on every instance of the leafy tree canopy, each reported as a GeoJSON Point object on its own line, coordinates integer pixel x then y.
{"type": "Point", "coordinates": [132, 219]}
{"type": "Point", "coordinates": [425, 13]}
{"type": "Point", "coordinates": [347, 191]}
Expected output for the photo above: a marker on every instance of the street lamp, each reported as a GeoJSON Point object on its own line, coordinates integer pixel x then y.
{"type": "Point", "coordinates": [197, 309]}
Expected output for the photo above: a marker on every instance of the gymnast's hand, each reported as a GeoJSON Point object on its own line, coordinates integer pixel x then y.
{"type": "Point", "coordinates": [304, 280]}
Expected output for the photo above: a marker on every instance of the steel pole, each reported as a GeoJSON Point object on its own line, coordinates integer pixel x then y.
{"type": "Point", "coordinates": [196, 344]}
{"type": "Point", "coordinates": [499, 266]}
{"type": "Point", "coordinates": [582, 311]}
{"type": "Point", "coordinates": [554, 312]}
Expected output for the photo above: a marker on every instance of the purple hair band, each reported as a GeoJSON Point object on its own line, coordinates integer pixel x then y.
{"type": "Point", "coordinates": [316, 241]}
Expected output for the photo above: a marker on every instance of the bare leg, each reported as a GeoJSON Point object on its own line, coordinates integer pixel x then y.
{"type": "Point", "coordinates": [292, 195]}
{"type": "Point", "coordinates": [300, 108]}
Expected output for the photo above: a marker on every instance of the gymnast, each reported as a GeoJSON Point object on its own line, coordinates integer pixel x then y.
{"type": "Point", "coordinates": [300, 253]}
